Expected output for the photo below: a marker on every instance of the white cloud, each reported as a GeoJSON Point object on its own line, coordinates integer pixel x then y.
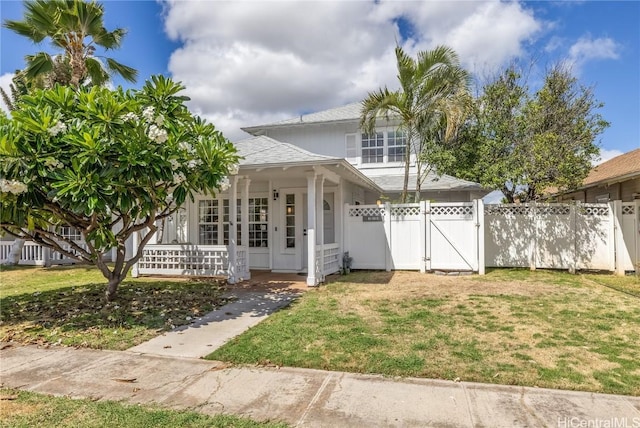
{"type": "Point", "coordinates": [6, 80]}
{"type": "Point", "coordinates": [587, 49]}
{"type": "Point", "coordinates": [605, 155]}
{"type": "Point", "coordinates": [250, 62]}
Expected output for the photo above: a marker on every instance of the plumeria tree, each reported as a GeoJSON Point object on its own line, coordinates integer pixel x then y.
{"type": "Point", "coordinates": [108, 163]}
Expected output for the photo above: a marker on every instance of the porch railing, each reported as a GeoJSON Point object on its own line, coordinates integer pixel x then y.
{"type": "Point", "coordinates": [327, 259]}
{"type": "Point", "coordinates": [186, 259]}
{"type": "Point", "coordinates": [34, 254]}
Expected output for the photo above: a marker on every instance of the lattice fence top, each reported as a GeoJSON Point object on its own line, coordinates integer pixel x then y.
{"type": "Point", "coordinates": [628, 210]}
{"type": "Point", "coordinates": [451, 210]}
{"type": "Point", "coordinates": [594, 210]}
{"type": "Point", "coordinates": [361, 211]}
{"type": "Point", "coordinates": [506, 210]}
{"type": "Point", "coordinates": [553, 209]}
{"type": "Point", "coordinates": [405, 210]}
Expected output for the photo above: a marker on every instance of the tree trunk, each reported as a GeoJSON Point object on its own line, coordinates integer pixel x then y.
{"type": "Point", "coordinates": [112, 287]}
{"type": "Point", "coordinates": [14, 255]}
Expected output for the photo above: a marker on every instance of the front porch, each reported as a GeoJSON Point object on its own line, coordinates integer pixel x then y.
{"type": "Point", "coordinates": [213, 260]}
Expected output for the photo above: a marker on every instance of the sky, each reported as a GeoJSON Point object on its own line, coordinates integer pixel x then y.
{"type": "Point", "coordinates": [247, 63]}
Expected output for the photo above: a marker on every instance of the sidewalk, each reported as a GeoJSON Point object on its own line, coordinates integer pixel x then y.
{"type": "Point", "coordinates": [213, 330]}
{"type": "Point", "coordinates": [309, 398]}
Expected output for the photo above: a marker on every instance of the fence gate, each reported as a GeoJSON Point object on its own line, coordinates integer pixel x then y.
{"type": "Point", "coordinates": [452, 236]}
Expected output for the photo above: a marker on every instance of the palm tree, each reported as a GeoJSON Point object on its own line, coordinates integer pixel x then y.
{"type": "Point", "coordinates": [77, 28]}
{"type": "Point", "coordinates": [429, 86]}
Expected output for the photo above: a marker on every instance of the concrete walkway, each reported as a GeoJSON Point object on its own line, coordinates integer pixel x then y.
{"type": "Point", "coordinates": [208, 333]}
{"type": "Point", "coordinates": [310, 398]}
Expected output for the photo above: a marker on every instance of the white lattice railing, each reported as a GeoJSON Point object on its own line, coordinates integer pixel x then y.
{"type": "Point", "coordinates": [181, 259]}
{"type": "Point", "coordinates": [185, 259]}
{"type": "Point", "coordinates": [331, 262]}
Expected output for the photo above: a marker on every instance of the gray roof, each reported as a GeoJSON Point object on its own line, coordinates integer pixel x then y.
{"type": "Point", "coordinates": [348, 113]}
{"type": "Point", "coordinates": [394, 183]}
{"type": "Point", "coordinates": [264, 151]}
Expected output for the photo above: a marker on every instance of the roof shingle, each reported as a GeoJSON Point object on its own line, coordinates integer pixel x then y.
{"type": "Point", "coordinates": [620, 166]}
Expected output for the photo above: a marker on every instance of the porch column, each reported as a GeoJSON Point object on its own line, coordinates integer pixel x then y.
{"type": "Point", "coordinates": [244, 229]}
{"type": "Point", "coordinates": [312, 281]}
{"type": "Point", "coordinates": [233, 233]}
{"type": "Point", "coordinates": [320, 225]}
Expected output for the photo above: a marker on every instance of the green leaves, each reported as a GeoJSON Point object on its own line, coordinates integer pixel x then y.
{"type": "Point", "coordinates": [94, 158]}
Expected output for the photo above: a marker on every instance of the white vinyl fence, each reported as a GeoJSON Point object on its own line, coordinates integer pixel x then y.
{"type": "Point", "coordinates": [34, 254]}
{"type": "Point", "coordinates": [424, 236]}
{"type": "Point", "coordinates": [467, 236]}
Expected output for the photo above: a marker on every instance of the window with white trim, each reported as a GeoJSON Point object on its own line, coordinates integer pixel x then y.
{"type": "Point", "coordinates": [373, 148]}
{"type": "Point", "coordinates": [290, 218]}
{"type": "Point", "coordinates": [396, 145]}
{"type": "Point", "coordinates": [258, 222]}
{"type": "Point", "coordinates": [208, 218]}
{"type": "Point", "coordinates": [70, 233]}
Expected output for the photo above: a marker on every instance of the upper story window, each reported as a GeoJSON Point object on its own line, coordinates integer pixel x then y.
{"type": "Point", "coordinates": [385, 146]}
{"type": "Point", "coordinates": [373, 148]}
{"type": "Point", "coordinates": [396, 146]}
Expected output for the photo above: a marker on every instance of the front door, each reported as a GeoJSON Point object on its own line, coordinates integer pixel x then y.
{"type": "Point", "coordinates": [288, 233]}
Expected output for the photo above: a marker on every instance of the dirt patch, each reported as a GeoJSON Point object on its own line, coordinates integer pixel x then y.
{"type": "Point", "coordinates": [13, 408]}
{"type": "Point", "coordinates": [415, 284]}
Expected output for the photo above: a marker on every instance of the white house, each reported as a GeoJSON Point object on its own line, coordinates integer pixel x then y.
{"type": "Point", "coordinates": [294, 180]}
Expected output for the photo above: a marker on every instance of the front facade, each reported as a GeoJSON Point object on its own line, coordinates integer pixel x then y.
{"type": "Point", "coordinates": [284, 210]}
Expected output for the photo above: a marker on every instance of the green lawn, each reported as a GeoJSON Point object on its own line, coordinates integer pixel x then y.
{"type": "Point", "coordinates": [66, 305]}
{"type": "Point", "coordinates": [545, 329]}
{"type": "Point", "coordinates": [25, 409]}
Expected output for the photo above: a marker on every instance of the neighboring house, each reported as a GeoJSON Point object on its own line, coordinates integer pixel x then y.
{"type": "Point", "coordinates": [616, 179]}
{"type": "Point", "coordinates": [336, 133]}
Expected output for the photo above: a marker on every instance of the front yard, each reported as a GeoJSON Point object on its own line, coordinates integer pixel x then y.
{"type": "Point", "coordinates": [545, 329]}
{"type": "Point", "coordinates": [66, 306]}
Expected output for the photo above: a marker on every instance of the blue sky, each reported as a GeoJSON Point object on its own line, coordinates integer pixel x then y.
{"type": "Point", "coordinates": [251, 62]}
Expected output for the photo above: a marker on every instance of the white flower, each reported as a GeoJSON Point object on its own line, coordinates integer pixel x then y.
{"type": "Point", "coordinates": [169, 198]}
{"type": "Point", "coordinates": [157, 134]}
{"type": "Point", "coordinates": [148, 113]}
{"type": "Point", "coordinates": [57, 128]}
{"type": "Point", "coordinates": [160, 120]}
{"type": "Point", "coordinates": [129, 117]}
{"type": "Point", "coordinates": [193, 163]}
{"type": "Point", "coordinates": [12, 186]}
{"type": "Point", "coordinates": [179, 178]}
{"type": "Point", "coordinates": [174, 164]}
{"type": "Point", "coordinates": [233, 170]}
{"type": "Point", "coordinates": [53, 163]}
{"type": "Point", "coordinates": [186, 146]}
{"type": "Point", "coordinates": [224, 184]}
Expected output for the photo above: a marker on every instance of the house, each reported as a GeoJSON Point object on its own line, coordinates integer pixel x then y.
{"type": "Point", "coordinates": [284, 210]}
{"type": "Point", "coordinates": [616, 179]}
